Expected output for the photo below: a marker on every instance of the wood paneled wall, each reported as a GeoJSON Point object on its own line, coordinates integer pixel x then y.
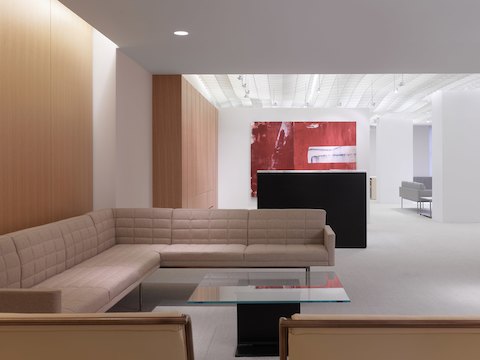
{"type": "Point", "coordinates": [184, 145]}
{"type": "Point", "coordinates": [167, 141]}
{"type": "Point", "coordinates": [45, 114]}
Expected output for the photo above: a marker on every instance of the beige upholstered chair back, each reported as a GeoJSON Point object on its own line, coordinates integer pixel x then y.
{"type": "Point", "coordinates": [145, 336]}
{"type": "Point", "coordinates": [143, 226]}
{"type": "Point", "coordinates": [41, 251]}
{"type": "Point", "coordinates": [293, 226]}
{"type": "Point", "coordinates": [209, 226]}
{"type": "Point", "coordinates": [338, 337]}
{"type": "Point", "coordinates": [9, 264]}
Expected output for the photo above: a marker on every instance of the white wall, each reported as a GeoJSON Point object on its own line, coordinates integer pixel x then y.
{"type": "Point", "coordinates": [234, 135]}
{"type": "Point", "coordinates": [422, 151]}
{"type": "Point", "coordinates": [373, 151]}
{"type": "Point", "coordinates": [134, 134]}
{"type": "Point", "coordinates": [456, 170]}
{"type": "Point", "coordinates": [394, 156]}
{"type": "Point", "coordinates": [104, 121]}
{"type": "Point", "coordinates": [122, 128]}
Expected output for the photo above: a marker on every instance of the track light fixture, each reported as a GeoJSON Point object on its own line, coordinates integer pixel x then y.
{"type": "Point", "coordinates": [339, 102]}
{"type": "Point", "coordinates": [372, 102]}
{"type": "Point", "coordinates": [395, 87]}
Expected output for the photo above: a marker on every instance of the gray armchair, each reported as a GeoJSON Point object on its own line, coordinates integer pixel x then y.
{"type": "Point", "coordinates": [413, 191]}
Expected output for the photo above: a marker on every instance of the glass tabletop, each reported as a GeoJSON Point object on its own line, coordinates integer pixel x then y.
{"type": "Point", "coordinates": [269, 287]}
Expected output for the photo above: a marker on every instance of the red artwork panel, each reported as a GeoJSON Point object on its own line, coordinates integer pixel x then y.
{"type": "Point", "coordinates": [302, 146]}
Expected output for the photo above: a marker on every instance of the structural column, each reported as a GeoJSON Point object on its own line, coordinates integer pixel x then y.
{"type": "Point", "coordinates": [394, 162]}
{"type": "Point", "coordinates": [456, 164]}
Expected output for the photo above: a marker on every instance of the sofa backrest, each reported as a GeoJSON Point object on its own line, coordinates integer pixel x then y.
{"type": "Point", "coordinates": [413, 185]}
{"type": "Point", "coordinates": [105, 226]}
{"type": "Point", "coordinates": [9, 264]}
{"type": "Point", "coordinates": [80, 238]}
{"type": "Point", "coordinates": [143, 226]}
{"type": "Point", "coordinates": [209, 226]}
{"type": "Point", "coordinates": [286, 226]}
{"type": "Point", "coordinates": [425, 180]}
{"type": "Point", "coordinates": [41, 251]}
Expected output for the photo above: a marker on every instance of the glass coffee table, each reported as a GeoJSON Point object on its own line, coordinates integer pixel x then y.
{"type": "Point", "coordinates": [262, 298]}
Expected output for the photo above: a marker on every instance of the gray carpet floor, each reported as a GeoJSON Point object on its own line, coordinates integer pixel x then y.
{"type": "Point", "coordinates": [412, 265]}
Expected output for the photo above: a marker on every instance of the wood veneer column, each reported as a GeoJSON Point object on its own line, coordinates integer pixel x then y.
{"type": "Point", "coordinates": [184, 145]}
{"type": "Point", "coordinates": [167, 141]}
{"type": "Point", "coordinates": [199, 121]}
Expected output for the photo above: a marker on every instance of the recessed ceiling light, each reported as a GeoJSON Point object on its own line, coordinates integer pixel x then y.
{"type": "Point", "coordinates": [181, 33]}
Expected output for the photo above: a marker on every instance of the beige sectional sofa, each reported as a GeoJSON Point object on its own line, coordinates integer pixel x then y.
{"type": "Point", "coordinates": [88, 263]}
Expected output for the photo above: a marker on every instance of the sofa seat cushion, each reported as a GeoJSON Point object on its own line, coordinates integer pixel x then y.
{"type": "Point", "coordinates": [114, 279]}
{"type": "Point", "coordinates": [141, 258]}
{"type": "Point", "coordinates": [203, 252]}
{"type": "Point", "coordinates": [84, 300]}
{"type": "Point", "coordinates": [275, 253]}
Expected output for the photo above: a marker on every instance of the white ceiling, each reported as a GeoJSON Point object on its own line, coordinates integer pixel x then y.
{"type": "Point", "coordinates": [408, 94]}
{"type": "Point", "coordinates": [292, 36]}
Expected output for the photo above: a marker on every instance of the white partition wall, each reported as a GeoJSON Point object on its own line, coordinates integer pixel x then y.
{"type": "Point", "coordinates": [104, 121]}
{"type": "Point", "coordinates": [373, 151]}
{"type": "Point", "coordinates": [456, 163]}
{"type": "Point", "coordinates": [134, 134]}
{"type": "Point", "coordinates": [422, 148]}
{"type": "Point", "coordinates": [122, 128]}
{"type": "Point", "coordinates": [394, 156]}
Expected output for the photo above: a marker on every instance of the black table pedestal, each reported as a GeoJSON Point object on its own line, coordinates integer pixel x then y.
{"type": "Point", "coordinates": [257, 327]}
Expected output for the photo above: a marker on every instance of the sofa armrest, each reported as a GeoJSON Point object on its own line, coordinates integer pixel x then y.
{"type": "Point", "coordinates": [30, 301]}
{"type": "Point", "coordinates": [329, 241]}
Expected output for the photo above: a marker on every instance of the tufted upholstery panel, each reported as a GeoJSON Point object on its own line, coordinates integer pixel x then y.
{"type": "Point", "coordinates": [41, 251]}
{"type": "Point", "coordinates": [105, 225]}
{"type": "Point", "coordinates": [143, 226]}
{"type": "Point", "coordinates": [294, 226]}
{"type": "Point", "coordinates": [9, 264]}
{"type": "Point", "coordinates": [80, 239]}
{"type": "Point", "coordinates": [204, 226]}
